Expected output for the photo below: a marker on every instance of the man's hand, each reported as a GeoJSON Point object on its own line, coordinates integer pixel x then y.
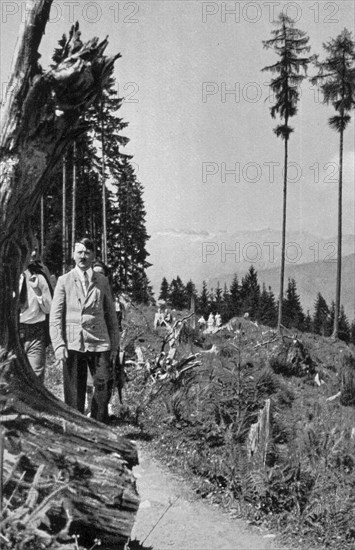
{"type": "Point", "coordinates": [61, 354]}
{"type": "Point", "coordinates": [34, 283]}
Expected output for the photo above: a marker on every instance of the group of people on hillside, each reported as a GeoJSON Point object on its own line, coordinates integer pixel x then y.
{"type": "Point", "coordinates": [213, 322]}
{"type": "Point", "coordinates": [162, 318]}
{"type": "Point", "coordinates": [83, 326]}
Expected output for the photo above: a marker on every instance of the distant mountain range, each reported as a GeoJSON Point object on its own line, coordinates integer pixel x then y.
{"type": "Point", "coordinates": [214, 257]}
{"type": "Point", "coordinates": [311, 278]}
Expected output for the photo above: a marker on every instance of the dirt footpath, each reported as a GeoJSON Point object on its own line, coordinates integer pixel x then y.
{"type": "Point", "coordinates": [183, 522]}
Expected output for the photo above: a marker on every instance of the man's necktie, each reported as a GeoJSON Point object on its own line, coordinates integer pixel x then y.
{"type": "Point", "coordinates": [86, 282]}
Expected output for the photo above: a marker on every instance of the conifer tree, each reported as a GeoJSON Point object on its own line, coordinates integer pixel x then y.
{"type": "Point", "coordinates": [53, 248]}
{"type": "Point", "coordinates": [164, 290]}
{"type": "Point", "coordinates": [337, 82]}
{"type": "Point", "coordinates": [190, 291]}
{"type": "Point", "coordinates": [177, 295]}
{"type": "Point", "coordinates": [141, 290]}
{"type": "Point", "coordinates": [88, 204]}
{"type": "Point", "coordinates": [307, 322]}
{"type": "Point", "coordinates": [235, 298]}
{"type": "Point", "coordinates": [321, 316]}
{"type": "Point", "coordinates": [127, 232]}
{"type": "Point", "coordinates": [293, 313]}
{"type": "Point", "coordinates": [344, 325]}
{"type": "Point", "coordinates": [226, 312]}
{"type": "Point", "coordinates": [267, 314]}
{"type": "Point", "coordinates": [105, 127]}
{"type": "Point", "coordinates": [211, 300]}
{"type": "Point", "coordinates": [204, 300]}
{"type": "Point", "coordinates": [250, 293]}
{"type": "Point", "coordinates": [289, 43]}
{"type": "Point", "coordinates": [218, 300]}
{"type": "Point", "coordinates": [124, 206]}
{"type": "Point", "coordinates": [352, 332]}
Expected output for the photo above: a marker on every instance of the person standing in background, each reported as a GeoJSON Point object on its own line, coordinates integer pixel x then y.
{"type": "Point", "coordinates": [35, 304]}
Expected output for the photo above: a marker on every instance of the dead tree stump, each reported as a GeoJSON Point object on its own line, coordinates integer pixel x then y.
{"type": "Point", "coordinates": [61, 475]}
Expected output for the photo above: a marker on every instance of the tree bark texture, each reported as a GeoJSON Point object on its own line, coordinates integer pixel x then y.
{"type": "Point", "coordinates": [77, 470]}
{"type": "Point", "coordinates": [339, 241]}
{"type": "Point", "coordinates": [283, 236]}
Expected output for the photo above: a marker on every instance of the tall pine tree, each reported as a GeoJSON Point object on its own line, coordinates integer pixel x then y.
{"type": "Point", "coordinates": [127, 232]}
{"type": "Point", "coordinates": [289, 44]}
{"type": "Point", "coordinates": [337, 81]}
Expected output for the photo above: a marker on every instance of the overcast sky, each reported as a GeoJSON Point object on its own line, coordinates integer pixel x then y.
{"type": "Point", "coordinates": [198, 109]}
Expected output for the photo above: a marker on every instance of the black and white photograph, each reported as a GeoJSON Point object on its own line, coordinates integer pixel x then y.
{"type": "Point", "coordinates": [177, 275]}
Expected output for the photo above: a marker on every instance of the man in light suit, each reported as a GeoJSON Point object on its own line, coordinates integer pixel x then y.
{"type": "Point", "coordinates": [84, 332]}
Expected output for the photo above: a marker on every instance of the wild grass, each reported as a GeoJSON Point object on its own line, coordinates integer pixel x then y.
{"type": "Point", "coordinates": [301, 477]}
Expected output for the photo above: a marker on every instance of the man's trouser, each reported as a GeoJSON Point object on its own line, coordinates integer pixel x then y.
{"type": "Point", "coordinates": [75, 370]}
{"type": "Point", "coordinates": [32, 338]}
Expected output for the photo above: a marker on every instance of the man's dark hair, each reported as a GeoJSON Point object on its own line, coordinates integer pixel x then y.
{"type": "Point", "coordinates": [99, 263]}
{"type": "Point", "coordinates": [85, 242]}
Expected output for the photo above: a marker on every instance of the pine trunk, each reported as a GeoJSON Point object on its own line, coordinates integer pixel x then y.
{"type": "Point", "coordinates": [283, 238]}
{"type": "Point", "coordinates": [72, 473]}
{"type": "Point", "coordinates": [339, 247]}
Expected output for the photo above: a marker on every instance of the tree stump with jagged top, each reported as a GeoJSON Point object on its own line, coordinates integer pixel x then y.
{"type": "Point", "coordinates": [65, 480]}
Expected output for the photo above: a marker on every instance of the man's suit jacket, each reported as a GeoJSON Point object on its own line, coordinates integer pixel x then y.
{"type": "Point", "coordinates": [83, 323]}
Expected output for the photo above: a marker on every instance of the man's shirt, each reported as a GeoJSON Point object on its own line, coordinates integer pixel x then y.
{"type": "Point", "coordinates": [38, 306]}
{"type": "Point", "coordinates": [81, 275]}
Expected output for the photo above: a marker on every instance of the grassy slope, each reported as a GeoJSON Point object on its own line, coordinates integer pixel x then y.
{"type": "Point", "coordinates": [199, 422]}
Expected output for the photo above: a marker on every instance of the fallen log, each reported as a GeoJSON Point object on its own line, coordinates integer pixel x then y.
{"type": "Point", "coordinates": [84, 483]}
{"type": "Point", "coordinates": [62, 474]}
